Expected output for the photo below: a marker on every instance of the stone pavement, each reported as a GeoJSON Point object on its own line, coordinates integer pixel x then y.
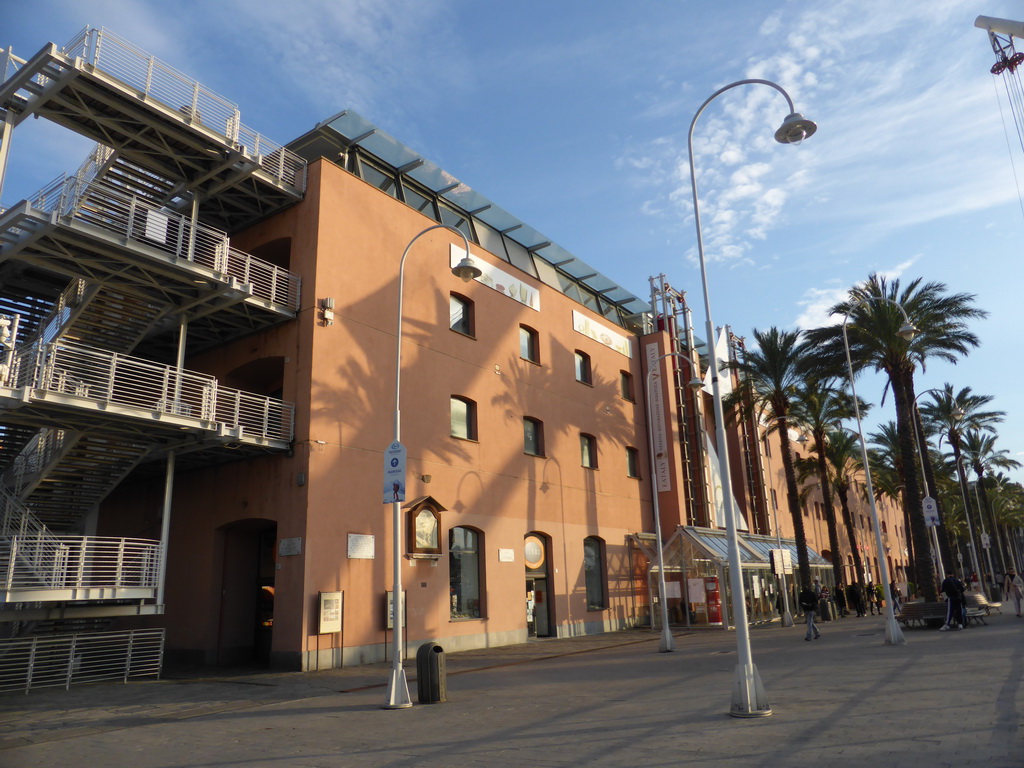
{"type": "Point", "coordinates": [943, 699]}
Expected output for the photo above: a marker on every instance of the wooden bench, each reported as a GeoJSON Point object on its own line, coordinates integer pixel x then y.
{"type": "Point", "coordinates": [922, 613]}
{"type": "Point", "coordinates": [978, 607]}
{"type": "Point", "coordinates": [934, 614]}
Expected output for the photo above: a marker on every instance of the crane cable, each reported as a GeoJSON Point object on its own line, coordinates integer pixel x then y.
{"type": "Point", "coordinates": [1008, 60]}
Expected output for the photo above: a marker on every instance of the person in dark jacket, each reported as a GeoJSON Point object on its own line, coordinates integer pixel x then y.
{"type": "Point", "coordinates": [841, 599]}
{"type": "Point", "coordinates": [954, 591]}
{"type": "Point", "coordinates": [809, 604]}
{"type": "Point", "coordinates": [855, 598]}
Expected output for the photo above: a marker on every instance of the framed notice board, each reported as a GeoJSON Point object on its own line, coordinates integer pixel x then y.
{"type": "Point", "coordinates": [332, 606]}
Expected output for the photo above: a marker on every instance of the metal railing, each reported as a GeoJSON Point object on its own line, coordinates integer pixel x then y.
{"type": "Point", "coordinates": [110, 378]}
{"type": "Point", "coordinates": [37, 454]}
{"type": "Point", "coordinates": [17, 521]}
{"type": "Point", "coordinates": [80, 563]}
{"type": "Point", "coordinates": [103, 205]}
{"type": "Point", "coordinates": [60, 661]}
{"type": "Point", "coordinates": [160, 82]}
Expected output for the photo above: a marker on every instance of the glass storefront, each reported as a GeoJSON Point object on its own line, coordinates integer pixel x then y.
{"type": "Point", "coordinates": [697, 577]}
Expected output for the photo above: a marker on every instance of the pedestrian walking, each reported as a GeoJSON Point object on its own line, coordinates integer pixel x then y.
{"type": "Point", "coordinates": [953, 588]}
{"type": "Point", "coordinates": [1013, 587]}
{"type": "Point", "coordinates": [841, 600]}
{"type": "Point", "coordinates": [855, 598]}
{"type": "Point", "coordinates": [896, 595]}
{"type": "Point", "coordinates": [809, 604]}
{"type": "Point", "coordinates": [871, 596]}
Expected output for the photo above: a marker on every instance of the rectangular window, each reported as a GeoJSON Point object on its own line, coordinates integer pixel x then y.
{"type": "Point", "coordinates": [460, 314]}
{"type": "Point", "coordinates": [583, 367]}
{"type": "Point", "coordinates": [529, 348]}
{"type": "Point", "coordinates": [533, 437]}
{"type": "Point", "coordinates": [463, 418]}
{"type": "Point", "coordinates": [464, 573]}
{"type": "Point", "coordinates": [593, 571]}
{"type": "Point", "coordinates": [588, 451]}
{"type": "Point", "coordinates": [626, 385]}
{"type": "Point", "coordinates": [632, 462]}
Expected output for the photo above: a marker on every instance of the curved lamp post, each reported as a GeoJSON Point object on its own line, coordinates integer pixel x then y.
{"type": "Point", "coordinates": [398, 688]}
{"type": "Point", "coordinates": [907, 331]}
{"type": "Point", "coordinates": [667, 643]}
{"type": "Point", "coordinates": [749, 698]}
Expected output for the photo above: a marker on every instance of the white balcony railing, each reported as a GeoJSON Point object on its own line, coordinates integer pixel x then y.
{"type": "Point", "coordinates": [109, 378]}
{"type": "Point", "coordinates": [106, 207]}
{"type": "Point", "coordinates": [80, 563]}
{"type": "Point", "coordinates": [160, 82]}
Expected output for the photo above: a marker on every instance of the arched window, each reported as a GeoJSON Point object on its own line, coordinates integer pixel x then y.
{"type": "Point", "coordinates": [583, 372]}
{"type": "Point", "coordinates": [463, 418]}
{"type": "Point", "coordinates": [529, 344]}
{"type": "Point", "coordinates": [464, 573]}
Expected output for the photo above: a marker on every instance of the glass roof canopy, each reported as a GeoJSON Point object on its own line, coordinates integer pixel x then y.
{"type": "Point", "coordinates": [753, 548]}
{"type": "Point", "coordinates": [356, 130]}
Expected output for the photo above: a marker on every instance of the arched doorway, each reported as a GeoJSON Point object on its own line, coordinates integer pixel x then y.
{"type": "Point", "coordinates": [539, 621]}
{"type": "Point", "coordinates": [246, 625]}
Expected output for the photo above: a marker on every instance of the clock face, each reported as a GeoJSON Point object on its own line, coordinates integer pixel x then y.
{"type": "Point", "coordinates": [426, 530]}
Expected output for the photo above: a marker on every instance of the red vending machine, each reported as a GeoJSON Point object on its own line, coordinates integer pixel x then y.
{"type": "Point", "coordinates": [714, 599]}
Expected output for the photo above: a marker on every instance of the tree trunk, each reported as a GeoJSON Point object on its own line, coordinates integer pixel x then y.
{"type": "Point", "coordinates": [793, 499]}
{"type": "Point", "coordinates": [903, 394]}
{"type": "Point", "coordinates": [945, 551]}
{"type": "Point", "coordinates": [844, 504]}
{"type": "Point", "coordinates": [830, 510]}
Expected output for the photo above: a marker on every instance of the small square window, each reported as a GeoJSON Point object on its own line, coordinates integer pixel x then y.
{"type": "Point", "coordinates": [583, 373]}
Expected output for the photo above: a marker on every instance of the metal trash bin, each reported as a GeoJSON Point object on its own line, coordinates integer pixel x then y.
{"type": "Point", "coordinates": [431, 674]}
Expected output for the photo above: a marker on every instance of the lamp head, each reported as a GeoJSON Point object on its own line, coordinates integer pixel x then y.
{"type": "Point", "coordinates": [907, 331]}
{"type": "Point", "coordinates": [466, 269]}
{"type": "Point", "coordinates": [694, 384]}
{"type": "Point", "coordinates": [795, 129]}
{"type": "Point", "coordinates": [958, 413]}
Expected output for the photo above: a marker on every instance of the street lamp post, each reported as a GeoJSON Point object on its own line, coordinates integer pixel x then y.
{"type": "Point", "coordinates": [749, 698]}
{"type": "Point", "coordinates": [921, 443]}
{"type": "Point", "coordinates": [397, 696]}
{"type": "Point", "coordinates": [667, 643]}
{"type": "Point", "coordinates": [893, 633]}
{"type": "Point", "coordinates": [967, 517]}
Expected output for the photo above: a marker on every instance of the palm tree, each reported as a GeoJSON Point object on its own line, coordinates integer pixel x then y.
{"type": "Point", "coordinates": [770, 376]}
{"type": "Point", "coordinates": [887, 472]}
{"type": "Point", "coordinates": [952, 414]}
{"type": "Point", "coordinates": [980, 450]}
{"type": "Point", "coordinates": [873, 314]}
{"type": "Point", "coordinates": [819, 407]}
{"type": "Point", "coordinates": [842, 449]}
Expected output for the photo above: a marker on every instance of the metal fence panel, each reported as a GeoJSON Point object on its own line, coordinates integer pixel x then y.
{"type": "Point", "coordinates": [60, 661]}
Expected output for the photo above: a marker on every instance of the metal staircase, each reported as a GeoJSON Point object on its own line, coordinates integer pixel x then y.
{"type": "Point", "coordinates": [104, 268]}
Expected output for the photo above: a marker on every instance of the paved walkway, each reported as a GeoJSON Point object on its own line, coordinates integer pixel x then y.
{"type": "Point", "coordinates": [943, 699]}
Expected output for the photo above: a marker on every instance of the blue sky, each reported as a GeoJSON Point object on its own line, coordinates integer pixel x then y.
{"type": "Point", "coordinates": [573, 116]}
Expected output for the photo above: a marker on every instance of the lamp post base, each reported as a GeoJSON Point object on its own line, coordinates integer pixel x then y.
{"type": "Point", "coordinates": [668, 643]}
{"type": "Point", "coordinates": [398, 691]}
{"type": "Point", "coordinates": [748, 696]}
{"type": "Point", "coordinates": [893, 633]}
{"type": "Point", "coordinates": [787, 619]}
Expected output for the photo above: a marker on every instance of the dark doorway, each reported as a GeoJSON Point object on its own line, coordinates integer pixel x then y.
{"type": "Point", "coordinates": [247, 593]}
